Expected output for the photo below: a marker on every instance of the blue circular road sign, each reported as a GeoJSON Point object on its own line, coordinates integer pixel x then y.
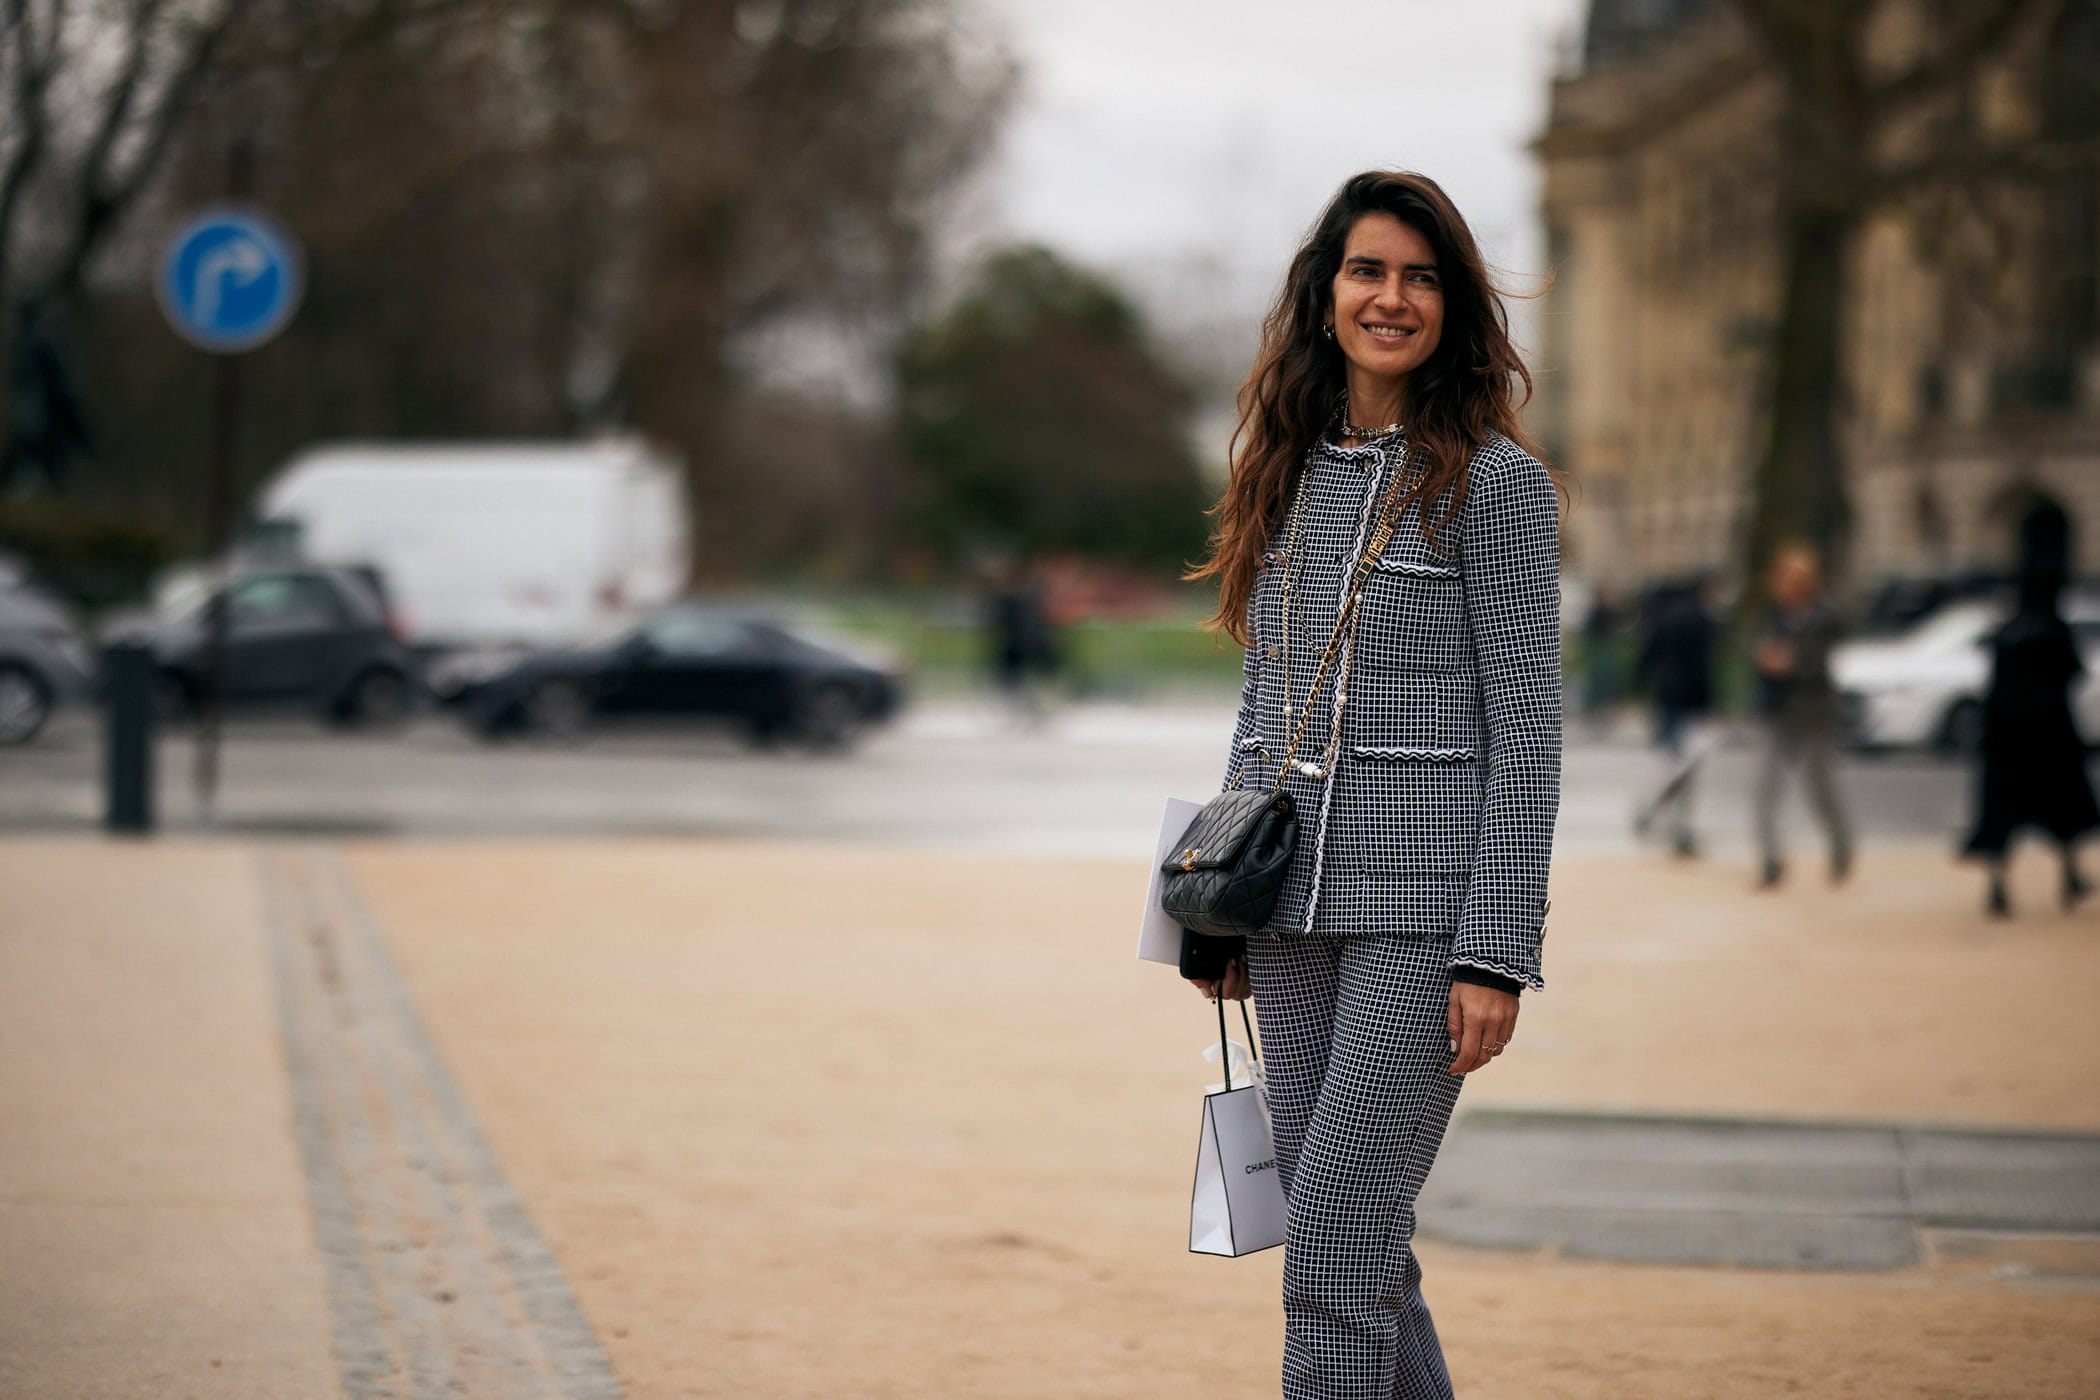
{"type": "Point", "coordinates": [230, 280]}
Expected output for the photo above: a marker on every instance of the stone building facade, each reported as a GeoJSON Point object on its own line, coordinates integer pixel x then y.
{"type": "Point", "coordinates": [1973, 339]}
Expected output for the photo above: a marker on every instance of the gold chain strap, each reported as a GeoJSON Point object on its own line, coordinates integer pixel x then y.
{"type": "Point", "coordinates": [1373, 550]}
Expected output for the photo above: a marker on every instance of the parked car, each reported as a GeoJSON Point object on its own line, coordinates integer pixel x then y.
{"type": "Point", "coordinates": [44, 663]}
{"type": "Point", "coordinates": [689, 662]}
{"type": "Point", "coordinates": [1924, 688]}
{"type": "Point", "coordinates": [1901, 601]}
{"type": "Point", "coordinates": [309, 638]}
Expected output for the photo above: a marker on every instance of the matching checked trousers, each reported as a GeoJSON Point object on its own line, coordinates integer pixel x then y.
{"type": "Point", "coordinates": [1356, 1049]}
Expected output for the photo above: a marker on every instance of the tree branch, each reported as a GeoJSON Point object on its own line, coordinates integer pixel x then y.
{"type": "Point", "coordinates": [181, 90]}
{"type": "Point", "coordinates": [32, 77]}
{"type": "Point", "coordinates": [48, 60]}
{"type": "Point", "coordinates": [1984, 163]}
{"type": "Point", "coordinates": [1963, 48]}
{"type": "Point", "coordinates": [314, 52]}
{"type": "Point", "coordinates": [1790, 29]}
{"type": "Point", "coordinates": [122, 94]}
{"type": "Point", "coordinates": [106, 193]}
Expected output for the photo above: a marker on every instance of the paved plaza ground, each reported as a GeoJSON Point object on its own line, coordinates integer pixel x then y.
{"type": "Point", "coordinates": [710, 1118]}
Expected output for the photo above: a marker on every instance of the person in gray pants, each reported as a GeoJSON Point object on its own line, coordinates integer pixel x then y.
{"type": "Point", "coordinates": [1798, 707]}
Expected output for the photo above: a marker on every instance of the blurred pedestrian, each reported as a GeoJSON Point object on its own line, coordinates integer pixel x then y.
{"type": "Point", "coordinates": [1413, 904]}
{"type": "Point", "coordinates": [1603, 626]}
{"type": "Point", "coordinates": [1798, 707]}
{"type": "Point", "coordinates": [49, 425]}
{"type": "Point", "coordinates": [2033, 771]}
{"type": "Point", "coordinates": [1023, 651]}
{"type": "Point", "coordinates": [1676, 668]}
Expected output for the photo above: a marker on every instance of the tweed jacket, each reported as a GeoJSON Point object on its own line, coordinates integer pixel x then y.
{"type": "Point", "coordinates": [1435, 818]}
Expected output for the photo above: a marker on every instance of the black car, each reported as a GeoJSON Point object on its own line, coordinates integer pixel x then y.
{"type": "Point", "coordinates": [310, 638]}
{"type": "Point", "coordinates": [689, 662]}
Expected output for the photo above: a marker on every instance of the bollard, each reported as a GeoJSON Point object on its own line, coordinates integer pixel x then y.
{"type": "Point", "coordinates": [128, 685]}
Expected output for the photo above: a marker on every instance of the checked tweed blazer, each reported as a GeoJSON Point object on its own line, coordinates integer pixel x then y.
{"type": "Point", "coordinates": [1435, 819]}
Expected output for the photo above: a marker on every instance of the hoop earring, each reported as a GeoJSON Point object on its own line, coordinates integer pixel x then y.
{"type": "Point", "coordinates": [1328, 330]}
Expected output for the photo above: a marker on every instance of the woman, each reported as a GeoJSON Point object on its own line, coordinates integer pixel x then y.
{"type": "Point", "coordinates": [1429, 774]}
{"type": "Point", "coordinates": [2033, 769]}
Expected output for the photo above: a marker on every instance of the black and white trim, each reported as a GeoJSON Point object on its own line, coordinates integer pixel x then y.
{"type": "Point", "coordinates": [1401, 755]}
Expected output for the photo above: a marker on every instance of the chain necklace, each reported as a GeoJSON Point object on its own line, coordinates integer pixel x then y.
{"type": "Point", "coordinates": [1282, 650]}
{"type": "Point", "coordinates": [1344, 428]}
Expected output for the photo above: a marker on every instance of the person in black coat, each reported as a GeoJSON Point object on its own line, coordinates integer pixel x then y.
{"type": "Point", "coordinates": [1023, 644]}
{"type": "Point", "coordinates": [2033, 771]}
{"type": "Point", "coordinates": [1676, 666]}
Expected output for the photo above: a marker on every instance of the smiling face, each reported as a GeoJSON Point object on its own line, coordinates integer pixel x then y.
{"type": "Point", "coordinates": [1388, 312]}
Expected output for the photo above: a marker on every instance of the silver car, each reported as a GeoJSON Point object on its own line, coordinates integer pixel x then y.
{"type": "Point", "coordinates": [43, 661]}
{"type": "Point", "coordinates": [1924, 688]}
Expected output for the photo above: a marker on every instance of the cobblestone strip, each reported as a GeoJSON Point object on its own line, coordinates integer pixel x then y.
{"type": "Point", "coordinates": [439, 1284]}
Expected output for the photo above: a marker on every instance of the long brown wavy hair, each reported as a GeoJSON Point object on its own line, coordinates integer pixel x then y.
{"type": "Point", "coordinates": [1467, 391]}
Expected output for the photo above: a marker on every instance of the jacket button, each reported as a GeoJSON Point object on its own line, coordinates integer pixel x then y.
{"type": "Point", "coordinates": [1275, 651]}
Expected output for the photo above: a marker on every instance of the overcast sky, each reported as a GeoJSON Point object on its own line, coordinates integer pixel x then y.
{"type": "Point", "coordinates": [1184, 145]}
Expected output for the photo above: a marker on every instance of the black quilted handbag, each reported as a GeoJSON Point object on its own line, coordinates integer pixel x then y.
{"type": "Point", "coordinates": [1224, 881]}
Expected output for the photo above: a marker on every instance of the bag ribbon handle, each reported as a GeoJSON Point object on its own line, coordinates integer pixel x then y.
{"type": "Point", "coordinates": [1225, 1054]}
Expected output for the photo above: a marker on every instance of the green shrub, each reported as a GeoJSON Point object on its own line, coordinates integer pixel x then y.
{"type": "Point", "coordinates": [90, 558]}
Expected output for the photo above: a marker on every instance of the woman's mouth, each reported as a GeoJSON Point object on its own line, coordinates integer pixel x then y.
{"type": "Point", "coordinates": [1388, 332]}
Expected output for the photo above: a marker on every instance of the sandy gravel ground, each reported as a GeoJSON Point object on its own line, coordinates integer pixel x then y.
{"type": "Point", "coordinates": [155, 1237]}
{"type": "Point", "coordinates": [817, 1121]}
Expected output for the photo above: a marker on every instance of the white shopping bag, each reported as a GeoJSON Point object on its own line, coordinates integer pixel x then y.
{"type": "Point", "coordinates": [1159, 937]}
{"type": "Point", "coordinates": [1237, 1207]}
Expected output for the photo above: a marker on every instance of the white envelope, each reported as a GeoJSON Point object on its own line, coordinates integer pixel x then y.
{"type": "Point", "coordinates": [1159, 937]}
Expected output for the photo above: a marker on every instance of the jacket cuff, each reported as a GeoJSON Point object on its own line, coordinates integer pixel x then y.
{"type": "Point", "coordinates": [1481, 977]}
{"type": "Point", "coordinates": [1523, 973]}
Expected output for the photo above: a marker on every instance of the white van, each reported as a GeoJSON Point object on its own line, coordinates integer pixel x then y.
{"type": "Point", "coordinates": [493, 545]}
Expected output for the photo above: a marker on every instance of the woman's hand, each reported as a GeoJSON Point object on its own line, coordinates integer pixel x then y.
{"type": "Point", "coordinates": [1481, 1021]}
{"type": "Point", "coordinates": [1233, 984]}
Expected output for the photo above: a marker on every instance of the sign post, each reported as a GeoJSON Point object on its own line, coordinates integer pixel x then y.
{"type": "Point", "coordinates": [230, 281]}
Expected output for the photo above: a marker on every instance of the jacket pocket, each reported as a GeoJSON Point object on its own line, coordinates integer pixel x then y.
{"type": "Point", "coordinates": [1409, 904]}
{"type": "Point", "coordinates": [1414, 614]}
{"type": "Point", "coordinates": [1405, 813]}
{"type": "Point", "coordinates": [1402, 716]}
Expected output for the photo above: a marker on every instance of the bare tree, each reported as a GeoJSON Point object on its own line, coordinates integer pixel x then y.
{"type": "Point", "coordinates": [94, 95]}
{"type": "Point", "coordinates": [534, 217]}
{"type": "Point", "coordinates": [798, 154]}
{"type": "Point", "coordinates": [96, 92]}
{"type": "Point", "coordinates": [1864, 132]}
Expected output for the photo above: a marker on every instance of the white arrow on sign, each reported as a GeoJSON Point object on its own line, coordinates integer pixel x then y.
{"type": "Point", "coordinates": [238, 259]}
{"type": "Point", "coordinates": [233, 265]}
